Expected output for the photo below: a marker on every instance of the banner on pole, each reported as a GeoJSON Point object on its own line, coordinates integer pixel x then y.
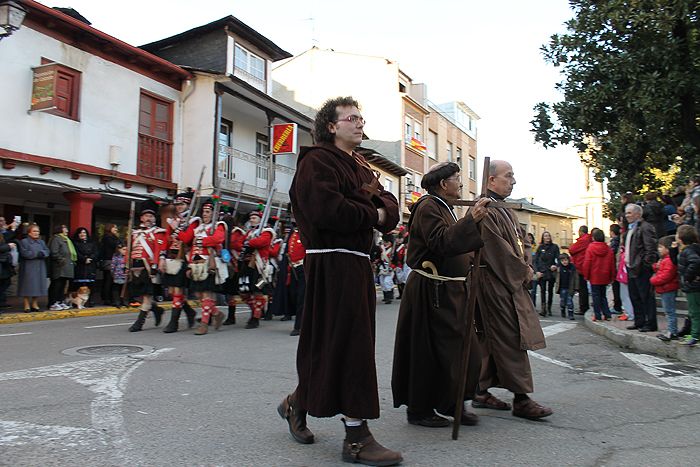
{"type": "Point", "coordinates": [284, 138]}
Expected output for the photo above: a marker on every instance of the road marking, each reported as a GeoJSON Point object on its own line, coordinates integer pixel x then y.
{"type": "Point", "coordinates": [549, 331]}
{"type": "Point", "coordinates": [106, 325]}
{"type": "Point", "coordinates": [667, 372]}
{"type": "Point", "coordinates": [16, 334]}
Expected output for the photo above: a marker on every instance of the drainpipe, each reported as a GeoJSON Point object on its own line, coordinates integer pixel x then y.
{"type": "Point", "coordinates": [273, 158]}
{"type": "Point", "coordinates": [217, 127]}
{"type": "Point", "coordinates": [189, 89]}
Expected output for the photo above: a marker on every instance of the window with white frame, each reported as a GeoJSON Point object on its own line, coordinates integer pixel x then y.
{"type": "Point", "coordinates": [459, 156]}
{"type": "Point", "coordinates": [388, 184]}
{"type": "Point", "coordinates": [449, 152]}
{"type": "Point", "coordinates": [408, 129]}
{"type": "Point", "coordinates": [248, 62]}
{"type": "Point", "coordinates": [472, 169]}
{"type": "Point", "coordinates": [432, 144]}
{"type": "Point", "coordinates": [418, 130]}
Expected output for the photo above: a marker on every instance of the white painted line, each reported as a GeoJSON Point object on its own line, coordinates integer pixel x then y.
{"type": "Point", "coordinates": [15, 334]}
{"type": "Point", "coordinates": [106, 325]}
{"type": "Point", "coordinates": [551, 360]}
{"type": "Point", "coordinates": [666, 371]}
{"type": "Point", "coordinates": [549, 331]}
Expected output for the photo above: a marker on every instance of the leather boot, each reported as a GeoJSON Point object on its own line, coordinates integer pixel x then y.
{"type": "Point", "coordinates": [231, 318]}
{"type": "Point", "coordinates": [360, 447]}
{"type": "Point", "coordinates": [190, 313]}
{"type": "Point", "coordinates": [549, 307]}
{"type": "Point", "coordinates": [544, 310]}
{"type": "Point", "coordinates": [157, 313]}
{"type": "Point", "coordinates": [202, 329]}
{"type": "Point", "coordinates": [253, 323]}
{"type": "Point", "coordinates": [218, 318]}
{"type": "Point", "coordinates": [138, 324]}
{"type": "Point", "coordinates": [296, 419]}
{"type": "Point", "coordinates": [174, 318]}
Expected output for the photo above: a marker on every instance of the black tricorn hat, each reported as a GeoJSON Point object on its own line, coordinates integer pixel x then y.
{"type": "Point", "coordinates": [148, 206]}
{"type": "Point", "coordinates": [184, 198]}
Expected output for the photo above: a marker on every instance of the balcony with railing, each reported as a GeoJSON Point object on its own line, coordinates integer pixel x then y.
{"type": "Point", "coordinates": [236, 166]}
{"type": "Point", "coordinates": [155, 158]}
{"type": "Point", "coordinates": [251, 79]}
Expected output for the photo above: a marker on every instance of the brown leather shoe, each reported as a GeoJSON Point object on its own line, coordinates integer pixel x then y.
{"type": "Point", "coordinates": [360, 447]}
{"type": "Point", "coordinates": [468, 418]}
{"type": "Point", "coordinates": [531, 410]}
{"type": "Point", "coordinates": [218, 319]}
{"type": "Point", "coordinates": [296, 419]}
{"type": "Point", "coordinates": [202, 329]}
{"type": "Point", "coordinates": [489, 401]}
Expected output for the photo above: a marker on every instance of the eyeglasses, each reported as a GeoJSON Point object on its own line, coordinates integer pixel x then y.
{"type": "Point", "coordinates": [354, 119]}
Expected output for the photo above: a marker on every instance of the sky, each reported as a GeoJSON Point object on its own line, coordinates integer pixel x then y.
{"type": "Point", "coordinates": [486, 54]}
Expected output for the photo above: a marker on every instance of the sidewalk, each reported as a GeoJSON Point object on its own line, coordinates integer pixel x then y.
{"type": "Point", "coordinates": [12, 317]}
{"type": "Point", "coordinates": [645, 342]}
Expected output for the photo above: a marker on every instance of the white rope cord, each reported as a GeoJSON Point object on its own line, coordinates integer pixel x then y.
{"type": "Point", "coordinates": [439, 278]}
{"type": "Point", "coordinates": [336, 250]}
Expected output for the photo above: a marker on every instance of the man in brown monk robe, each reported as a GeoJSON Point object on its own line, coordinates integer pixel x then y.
{"type": "Point", "coordinates": [508, 317]}
{"type": "Point", "coordinates": [338, 201]}
{"type": "Point", "coordinates": [432, 322]}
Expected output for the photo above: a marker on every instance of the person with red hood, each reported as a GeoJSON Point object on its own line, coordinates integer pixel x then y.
{"type": "Point", "coordinates": [666, 283]}
{"type": "Point", "coordinates": [599, 269]}
{"type": "Point", "coordinates": [578, 253]}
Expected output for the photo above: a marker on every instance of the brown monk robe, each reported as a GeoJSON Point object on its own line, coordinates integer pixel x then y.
{"type": "Point", "coordinates": [338, 201]}
{"type": "Point", "coordinates": [431, 329]}
{"type": "Point", "coordinates": [510, 323]}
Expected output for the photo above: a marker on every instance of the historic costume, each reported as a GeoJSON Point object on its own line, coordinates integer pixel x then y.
{"type": "Point", "coordinates": [147, 242]}
{"type": "Point", "coordinates": [336, 217]}
{"type": "Point", "coordinates": [510, 323]}
{"type": "Point", "coordinates": [174, 266]}
{"type": "Point", "coordinates": [237, 238]}
{"type": "Point", "coordinates": [432, 318]}
{"type": "Point", "coordinates": [205, 240]}
{"type": "Point", "coordinates": [296, 278]}
{"type": "Point", "coordinates": [255, 270]}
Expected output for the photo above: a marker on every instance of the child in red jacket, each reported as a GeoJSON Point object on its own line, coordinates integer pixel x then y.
{"type": "Point", "coordinates": [599, 270]}
{"type": "Point", "coordinates": [665, 282]}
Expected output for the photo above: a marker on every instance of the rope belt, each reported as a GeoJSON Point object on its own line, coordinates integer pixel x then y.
{"type": "Point", "coordinates": [336, 250]}
{"type": "Point", "coordinates": [439, 278]}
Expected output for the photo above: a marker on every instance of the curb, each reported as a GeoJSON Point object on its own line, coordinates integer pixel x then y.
{"type": "Point", "coordinates": [641, 342]}
{"type": "Point", "coordinates": [13, 318]}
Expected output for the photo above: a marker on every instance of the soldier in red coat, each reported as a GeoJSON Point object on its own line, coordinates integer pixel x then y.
{"type": "Point", "coordinates": [205, 240]}
{"type": "Point", "coordinates": [236, 239]}
{"type": "Point", "coordinates": [297, 283]}
{"type": "Point", "coordinates": [147, 242]}
{"type": "Point", "coordinates": [254, 268]}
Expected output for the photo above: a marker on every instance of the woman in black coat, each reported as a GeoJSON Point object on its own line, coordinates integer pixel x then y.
{"type": "Point", "coordinates": [86, 266]}
{"type": "Point", "coordinates": [545, 266]}
{"type": "Point", "coordinates": [108, 245]}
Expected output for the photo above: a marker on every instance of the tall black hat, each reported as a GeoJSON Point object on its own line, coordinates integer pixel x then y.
{"type": "Point", "coordinates": [184, 198]}
{"type": "Point", "coordinates": [207, 203]}
{"type": "Point", "coordinates": [148, 206]}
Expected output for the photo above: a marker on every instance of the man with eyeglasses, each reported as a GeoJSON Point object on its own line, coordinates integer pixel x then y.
{"type": "Point", "coordinates": [337, 202]}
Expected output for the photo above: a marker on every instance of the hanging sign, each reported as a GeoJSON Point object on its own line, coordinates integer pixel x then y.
{"type": "Point", "coordinates": [284, 138]}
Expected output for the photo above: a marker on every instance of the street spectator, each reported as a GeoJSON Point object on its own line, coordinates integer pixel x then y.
{"type": "Point", "coordinates": [86, 266]}
{"type": "Point", "coordinates": [567, 285]}
{"type": "Point", "coordinates": [689, 271]}
{"type": "Point", "coordinates": [695, 200]}
{"type": "Point", "coordinates": [625, 199]}
{"type": "Point", "coordinates": [63, 258]}
{"type": "Point", "coordinates": [653, 213]}
{"type": "Point", "coordinates": [599, 270]}
{"type": "Point", "coordinates": [615, 247]}
{"type": "Point", "coordinates": [31, 282]}
{"type": "Point", "coordinates": [385, 272]}
{"type": "Point", "coordinates": [578, 253]}
{"type": "Point", "coordinates": [7, 270]}
{"type": "Point", "coordinates": [665, 282]}
{"type": "Point", "coordinates": [545, 266]}
{"type": "Point", "coordinates": [640, 256]}
{"type": "Point", "coordinates": [8, 231]}
{"type": "Point", "coordinates": [118, 275]}
{"type": "Point", "coordinates": [670, 210]}
{"type": "Point", "coordinates": [108, 246]}
{"type": "Point", "coordinates": [533, 251]}
{"type": "Point", "coordinates": [623, 279]}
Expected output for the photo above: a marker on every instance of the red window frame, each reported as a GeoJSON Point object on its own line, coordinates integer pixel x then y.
{"type": "Point", "coordinates": [155, 136]}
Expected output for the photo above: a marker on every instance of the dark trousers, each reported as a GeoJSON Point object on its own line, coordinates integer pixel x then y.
{"type": "Point", "coordinates": [57, 290]}
{"type": "Point", "coordinates": [106, 291]}
{"type": "Point", "coordinates": [643, 300]}
{"type": "Point", "coordinates": [617, 301]}
{"type": "Point", "coordinates": [115, 296]}
{"type": "Point", "coordinates": [297, 288]}
{"type": "Point", "coordinates": [4, 284]}
{"type": "Point", "coordinates": [583, 305]}
{"type": "Point", "coordinates": [600, 301]}
{"type": "Point", "coordinates": [548, 285]}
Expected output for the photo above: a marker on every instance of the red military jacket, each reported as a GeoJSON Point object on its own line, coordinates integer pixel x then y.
{"type": "Point", "coordinates": [262, 242]}
{"type": "Point", "coordinates": [211, 237]}
{"type": "Point", "coordinates": [148, 243]}
{"type": "Point", "coordinates": [295, 249]}
{"type": "Point", "coordinates": [236, 240]}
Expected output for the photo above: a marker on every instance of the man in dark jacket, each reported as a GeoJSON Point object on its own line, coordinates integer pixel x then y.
{"type": "Point", "coordinates": [578, 253]}
{"type": "Point", "coordinates": [640, 255]}
{"type": "Point", "coordinates": [338, 201]}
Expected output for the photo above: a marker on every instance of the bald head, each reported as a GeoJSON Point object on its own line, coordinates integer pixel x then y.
{"type": "Point", "coordinates": [501, 178]}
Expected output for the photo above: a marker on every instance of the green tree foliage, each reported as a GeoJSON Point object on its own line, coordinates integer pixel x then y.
{"type": "Point", "coordinates": [631, 84]}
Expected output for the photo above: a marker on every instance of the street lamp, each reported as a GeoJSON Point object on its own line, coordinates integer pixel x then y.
{"type": "Point", "coordinates": [11, 17]}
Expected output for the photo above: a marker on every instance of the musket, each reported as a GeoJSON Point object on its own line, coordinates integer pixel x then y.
{"type": "Point", "coordinates": [277, 222]}
{"type": "Point", "coordinates": [127, 260]}
{"type": "Point", "coordinates": [266, 211]}
{"type": "Point", "coordinates": [195, 198]}
{"type": "Point", "coordinates": [238, 201]}
{"type": "Point", "coordinates": [471, 307]}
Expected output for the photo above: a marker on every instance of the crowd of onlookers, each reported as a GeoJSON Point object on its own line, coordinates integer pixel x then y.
{"type": "Point", "coordinates": [61, 267]}
{"type": "Point", "coordinates": [653, 250]}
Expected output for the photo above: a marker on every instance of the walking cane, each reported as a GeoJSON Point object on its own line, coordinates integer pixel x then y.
{"type": "Point", "coordinates": [471, 307]}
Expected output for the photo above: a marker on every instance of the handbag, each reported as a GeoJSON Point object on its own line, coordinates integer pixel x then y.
{"type": "Point", "coordinates": [199, 271]}
{"type": "Point", "coordinates": [221, 271]}
{"type": "Point", "coordinates": [173, 266]}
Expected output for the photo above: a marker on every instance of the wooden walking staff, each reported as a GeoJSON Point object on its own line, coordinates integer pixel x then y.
{"type": "Point", "coordinates": [471, 307]}
{"type": "Point", "coordinates": [132, 213]}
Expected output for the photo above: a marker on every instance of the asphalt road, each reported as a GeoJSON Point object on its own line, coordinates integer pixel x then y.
{"type": "Point", "coordinates": [211, 400]}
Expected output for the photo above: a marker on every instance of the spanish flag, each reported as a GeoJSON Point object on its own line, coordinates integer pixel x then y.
{"type": "Point", "coordinates": [417, 144]}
